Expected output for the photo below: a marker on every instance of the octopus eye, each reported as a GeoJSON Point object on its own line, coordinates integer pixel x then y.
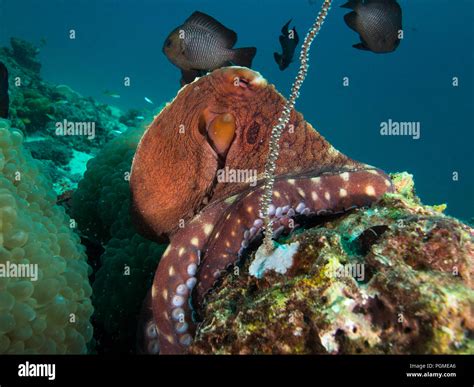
{"type": "Point", "coordinates": [219, 130]}
{"type": "Point", "coordinates": [168, 43]}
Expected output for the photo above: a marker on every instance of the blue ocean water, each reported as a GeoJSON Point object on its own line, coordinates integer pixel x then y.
{"type": "Point", "coordinates": [123, 38]}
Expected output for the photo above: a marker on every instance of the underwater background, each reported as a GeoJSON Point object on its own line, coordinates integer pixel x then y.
{"type": "Point", "coordinates": [123, 38]}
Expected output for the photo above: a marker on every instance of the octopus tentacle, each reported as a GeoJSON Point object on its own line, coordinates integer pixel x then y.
{"type": "Point", "coordinates": [200, 252]}
{"type": "Point", "coordinates": [147, 332]}
{"type": "Point", "coordinates": [330, 193]}
{"type": "Point", "coordinates": [175, 279]}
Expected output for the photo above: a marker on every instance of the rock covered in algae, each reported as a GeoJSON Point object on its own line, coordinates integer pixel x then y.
{"type": "Point", "coordinates": [395, 278]}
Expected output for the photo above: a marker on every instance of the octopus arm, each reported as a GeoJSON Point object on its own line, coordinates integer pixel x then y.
{"type": "Point", "coordinates": [175, 279]}
{"type": "Point", "coordinates": [325, 194]}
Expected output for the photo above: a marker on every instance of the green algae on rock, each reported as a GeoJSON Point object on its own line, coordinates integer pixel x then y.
{"type": "Point", "coordinates": [392, 279]}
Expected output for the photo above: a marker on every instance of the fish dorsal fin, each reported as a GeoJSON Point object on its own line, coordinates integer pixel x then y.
{"type": "Point", "coordinates": [209, 23]}
{"type": "Point", "coordinates": [351, 20]}
{"type": "Point", "coordinates": [286, 28]}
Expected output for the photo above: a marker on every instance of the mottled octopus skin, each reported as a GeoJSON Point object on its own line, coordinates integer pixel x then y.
{"type": "Point", "coordinates": [175, 191]}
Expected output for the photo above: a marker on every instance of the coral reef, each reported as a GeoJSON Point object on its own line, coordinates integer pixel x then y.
{"type": "Point", "coordinates": [100, 205]}
{"type": "Point", "coordinates": [121, 259]}
{"type": "Point", "coordinates": [36, 107]}
{"type": "Point", "coordinates": [104, 189]}
{"type": "Point", "coordinates": [51, 149]}
{"type": "Point", "coordinates": [123, 262]}
{"type": "Point", "coordinates": [48, 312]}
{"type": "Point", "coordinates": [25, 54]}
{"type": "Point", "coordinates": [392, 278]}
{"type": "Point", "coordinates": [395, 278]}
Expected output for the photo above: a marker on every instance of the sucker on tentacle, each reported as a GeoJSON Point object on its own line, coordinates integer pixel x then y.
{"type": "Point", "coordinates": [175, 280]}
{"type": "Point", "coordinates": [147, 332]}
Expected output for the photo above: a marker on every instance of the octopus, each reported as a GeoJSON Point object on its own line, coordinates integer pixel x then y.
{"type": "Point", "coordinates": [222, 122]}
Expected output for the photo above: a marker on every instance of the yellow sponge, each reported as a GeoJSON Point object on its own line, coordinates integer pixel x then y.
{"type": "Point", "coordinates": [45, 294]}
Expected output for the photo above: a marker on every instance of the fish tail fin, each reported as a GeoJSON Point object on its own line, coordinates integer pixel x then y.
{"type": "Point", "coordinates": [244, 56]}
{"type": "Point", "coordinates": [351, 4]}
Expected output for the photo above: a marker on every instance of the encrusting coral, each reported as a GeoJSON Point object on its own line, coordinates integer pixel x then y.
{"type": "Point", "coordinates": [50, 313]}
{"type": "Point", "coordinates": [395, 278]}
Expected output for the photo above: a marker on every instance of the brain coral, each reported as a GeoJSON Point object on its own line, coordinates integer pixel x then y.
{"type": "Point", "coordinates": [51, 314]}
{"type": "Point", "coordinates": [100, 205]}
